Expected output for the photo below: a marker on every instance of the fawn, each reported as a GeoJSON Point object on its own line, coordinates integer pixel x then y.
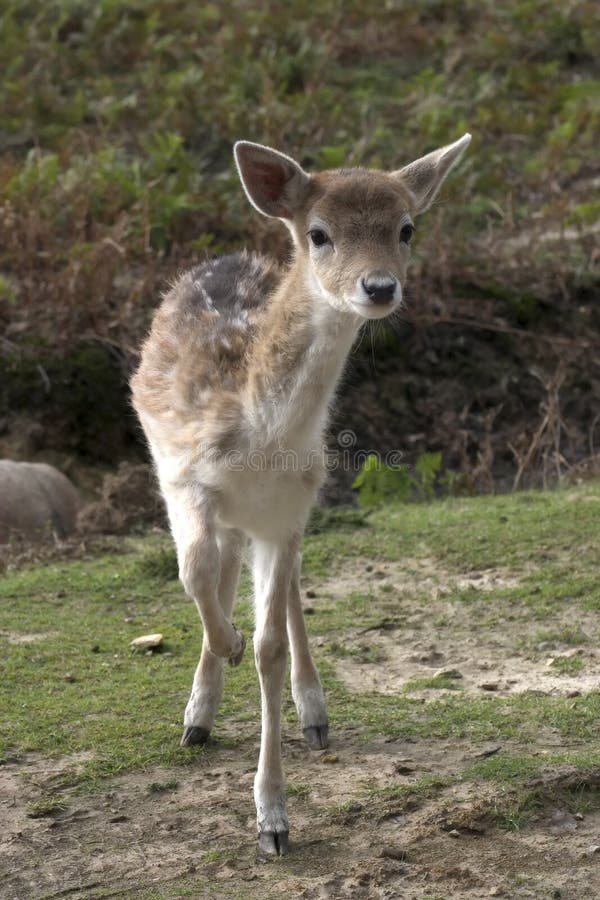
{"type": "Point", "coordinates": [241, 364]}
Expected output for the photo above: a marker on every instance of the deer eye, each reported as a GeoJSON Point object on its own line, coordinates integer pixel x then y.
{"type": "Point", "coordinates": [319, 237]}
{"type": "Point", "coordinates": [406, 232]}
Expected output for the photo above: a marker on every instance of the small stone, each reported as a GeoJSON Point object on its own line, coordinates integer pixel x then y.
{"type": "Point", "coordinates": [496, 892]}
{"type": "Point", "coordinates": [330, 758]}
{"type": "Point", "coordinates": [95, 648]}
{"type": "Point", "coordinates": [147, 642]}
{"type": "Point", "coordinates": [490, 685]}
{"type": "Point", "coordinates": [311, 594]}
{"type": "Point", "coordinates": [69, 677]}
{"type": "Point", "coordinates": [454, 833]}
{"type": "Point", "coordinates": [578, 816]}
{"type": "Point", "coordinates": [397, 853]}
{"type": "Point", "coordinates": [489, 751]}
{"type": "Point", "coordinates": [448, 673]}
{"type": "Point", "coordinates": [118, 818]}
{"type": "Point", "coordinates": [309, 610]}
{"type": "Point", "coordinates": [574, 693]}
{"type": "Point", "coordinates": [594, 850]}
{"type": "Point", "coordinates": [354, 808]}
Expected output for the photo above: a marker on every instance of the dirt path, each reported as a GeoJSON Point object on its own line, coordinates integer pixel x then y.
{"type": "Point", "coordinates": [130, 839]}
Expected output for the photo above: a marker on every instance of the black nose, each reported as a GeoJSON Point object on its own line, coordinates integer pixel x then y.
{"type": "Point", "coordinates": [378, 289]}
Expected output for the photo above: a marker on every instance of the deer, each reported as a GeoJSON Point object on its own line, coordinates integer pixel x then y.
{"type": "Point", "coordinates": [242, 362]}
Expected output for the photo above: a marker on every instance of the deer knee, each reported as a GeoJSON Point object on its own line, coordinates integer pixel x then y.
{"type": "Point", "coordinates": [199, 568]}
{"type": "Point", "coordinates": [270, 651]}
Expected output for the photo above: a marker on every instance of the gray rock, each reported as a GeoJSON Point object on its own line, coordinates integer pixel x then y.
{"type": "Point", "coordinates": [37, 502]}
{"type": "Point", "coordinates": [147, 642]}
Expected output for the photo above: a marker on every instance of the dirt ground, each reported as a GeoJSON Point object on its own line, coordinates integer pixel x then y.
{"type": "Point", "coordinates": [189, 831]}
{"type": "Point", "coordinates": [126, 840]}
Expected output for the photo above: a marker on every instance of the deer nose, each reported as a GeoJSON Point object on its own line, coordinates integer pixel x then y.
{"type": "Point", "coordinates": [379, 287]}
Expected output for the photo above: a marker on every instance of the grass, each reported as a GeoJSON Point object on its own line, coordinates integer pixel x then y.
{"type": "Point", "coordinates": [68, 667]}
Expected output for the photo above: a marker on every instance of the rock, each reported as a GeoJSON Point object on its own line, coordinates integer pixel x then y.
{"type": "Point", "coordinates": [398, 853]}
{"type": "Point", "coordinates": [147, 642]}
{"type": "Point", "coordinates": [490, 686]}
{"type": "Point", "coordinates": [330, 758]}
{"type": "Point", "coordinates": [429, 658]}
{"type": "Point", "coordinates": [37, 502]}
{"type": "Point", "coordinates": [594, 850]}
{"type": "Point", "coordinates": [448, 673]}
{"type": "Point", "coordinates": [489, 751]}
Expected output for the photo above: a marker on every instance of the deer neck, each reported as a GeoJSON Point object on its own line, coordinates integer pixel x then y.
{"type": "Point", "coordinates": [298, 360]}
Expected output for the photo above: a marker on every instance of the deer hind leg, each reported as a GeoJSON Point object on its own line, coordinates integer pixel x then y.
{"type": "Point", "coordinates": [207, 688]}
{"type": "Point", "coordinates": [272, 569]}
{"type": "Point", "coordinates": [306, 685]}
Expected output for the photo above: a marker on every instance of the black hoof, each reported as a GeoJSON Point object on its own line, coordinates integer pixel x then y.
{"type": "Point", "coordinates": [194, 734]}
{"type": "Point", "coordinates": [236, 660]}
{"type": "Point", "coordinates": [316, 736]}
{"type": "Point", "coordinates": [275, 843]}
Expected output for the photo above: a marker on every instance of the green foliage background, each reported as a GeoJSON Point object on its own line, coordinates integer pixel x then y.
{"type": "Point", "coordinates": [118, 120]}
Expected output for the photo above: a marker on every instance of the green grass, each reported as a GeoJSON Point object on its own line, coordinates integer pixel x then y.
{"type": "Point", "coordinates": [71, 685]}
{"type": "Point", "coordinates": [124, 708]}
{"type": "Point", "coordinates": [568, 665]}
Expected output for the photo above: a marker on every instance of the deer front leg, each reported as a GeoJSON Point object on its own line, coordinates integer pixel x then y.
{"type": "Point", "coordinates": [200, 565]}
{"type": "Point", "coordinates": [272, 569]}
{"type": "Point", "coordinates": [207, 688]}
{"type": "Point", "coordinates": [192, 523]}
{"type": "Point", "coordinates": [306, 684]}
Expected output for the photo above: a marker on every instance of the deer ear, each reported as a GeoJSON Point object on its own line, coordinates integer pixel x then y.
{"type": "Point", "coordinates": [424, 177]}
{"type": "Point", "coordinates": [274, 183]}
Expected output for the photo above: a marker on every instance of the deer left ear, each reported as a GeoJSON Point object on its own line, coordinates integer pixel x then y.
{"type": "Point", "coordinates": [425, 176]}
{"type": "Point", "coordinates": [274, 183]}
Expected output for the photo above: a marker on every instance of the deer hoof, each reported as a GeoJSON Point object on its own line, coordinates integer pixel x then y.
{"type": "Point", "coordinates": [316, 736]}
{"type": "Point", "coordinates": [275, 843]}
{"type": "Point", "coordinates": [236, 659]}
{"type": "Point", "coordinates": [194, 734]}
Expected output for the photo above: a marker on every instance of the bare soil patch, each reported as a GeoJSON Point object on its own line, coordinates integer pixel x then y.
{"type": "Point", "coordinates": [478, 649]}
{"type": "Point", "coordinates": [130, 838]}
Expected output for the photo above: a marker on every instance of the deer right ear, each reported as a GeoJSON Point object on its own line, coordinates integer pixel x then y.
{"type": "Point", "coordinates": [274, 183]}
{"type": "Point", "coordinates": [424, 177]}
